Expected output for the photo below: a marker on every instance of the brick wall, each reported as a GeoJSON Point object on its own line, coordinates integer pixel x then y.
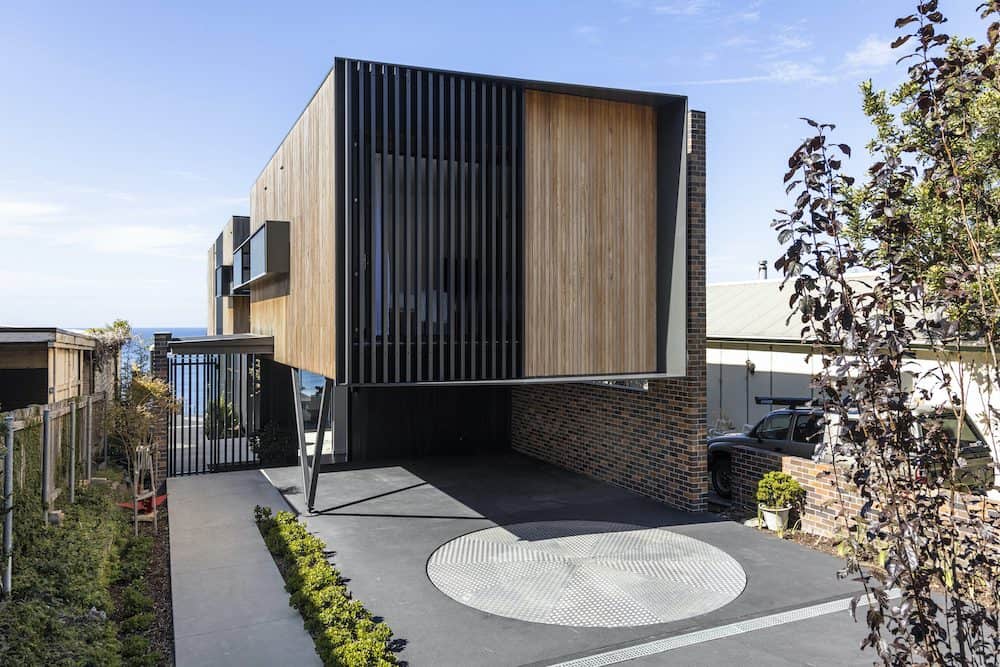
{"type": "Point", "coordinates": [653, 442]}
{"type": "Point", "coordinates": [823, 503]}
{"type": "Point", "coordinates": [160, 368]}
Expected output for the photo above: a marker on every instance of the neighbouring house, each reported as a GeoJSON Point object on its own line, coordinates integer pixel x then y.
{"type": "Point", "coordinates": [453, 263]}
{"type": "Point", "coordinates": [41, 365]}
{"type": "Point", "coordinates": [755, 349]}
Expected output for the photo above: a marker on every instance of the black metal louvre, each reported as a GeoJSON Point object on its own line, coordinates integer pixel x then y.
{"type": "Point", "coordinates": [432, 180]}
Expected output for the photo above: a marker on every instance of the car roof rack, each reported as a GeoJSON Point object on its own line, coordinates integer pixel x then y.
{"type": "Point", "coordinates": [782, 400]}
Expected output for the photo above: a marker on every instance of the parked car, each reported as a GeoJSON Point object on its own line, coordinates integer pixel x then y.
{"type": "Point", "coordinates": [798, 429]}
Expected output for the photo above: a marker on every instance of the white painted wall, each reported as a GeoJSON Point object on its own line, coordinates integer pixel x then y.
{"type": "Point", "coordinates": [732, 387]}
{"type": "Point", "coordinates": [733, 384]}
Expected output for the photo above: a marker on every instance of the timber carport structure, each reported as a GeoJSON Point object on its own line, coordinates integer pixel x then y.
{"type": "Point", "coordinates": [453, 263]}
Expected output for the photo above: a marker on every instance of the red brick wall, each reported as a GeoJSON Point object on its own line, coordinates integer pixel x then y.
{"type": "Point", "coordinates": [820, 513]}
{"type": "Point", "coordinates": [650, 442]}
{"type": "Point", "coordinates": [823, 502]}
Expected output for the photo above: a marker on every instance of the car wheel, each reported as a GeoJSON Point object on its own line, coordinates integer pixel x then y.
{"type": "Point", "coordinates": [722, 476]}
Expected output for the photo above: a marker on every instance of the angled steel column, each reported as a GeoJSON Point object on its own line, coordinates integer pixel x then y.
{"type": "Point", "coordinates": [300, 429]}
{"type": "Point", "coordinates": [324, 407]}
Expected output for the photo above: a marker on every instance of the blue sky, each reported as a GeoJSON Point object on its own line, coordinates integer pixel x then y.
{"type": "Point", "coordinates": [130, 131]}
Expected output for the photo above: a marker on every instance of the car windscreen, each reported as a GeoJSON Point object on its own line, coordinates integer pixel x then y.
{"type": "Point", "coordinates": [774, 426]}
{"type": "Point", "coordinates": [948, 425]}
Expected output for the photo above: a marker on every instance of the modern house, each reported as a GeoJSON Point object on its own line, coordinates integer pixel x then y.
{"type": "Point", "coordinates": [462, 263]}
{"type": "Point", "coordinates": [41, 365]}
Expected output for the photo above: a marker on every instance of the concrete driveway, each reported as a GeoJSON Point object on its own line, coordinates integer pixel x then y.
{"type": "Point", "coordinates": [386, 521]}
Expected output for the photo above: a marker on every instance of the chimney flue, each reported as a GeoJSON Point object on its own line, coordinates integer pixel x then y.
{"type": "Point", "coordinates": [762, 269]}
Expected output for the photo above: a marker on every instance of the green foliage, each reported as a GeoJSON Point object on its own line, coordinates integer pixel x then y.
{"type": "Point", "coordinates": [136, 652]}
{"type": "Point", "coordinates": [777, 490]}
{"type": "Point", "coordinates": [63, 611]}
{"type": "Point", "coordinates": [344, 631]}
{"type": "Point", "coordinates": [111, 338]}
{"type": "Point", "coordinates": [261, 513]}
{"type": "Point", "coordinates": [61, 606]}
{"type": "Point", "coordinates": [273, 446]}
{"type": "Point", "coordinates": [135, 606]}
{"type": "Point", "coordinates": [33, 632]}
{"type": "Point", "coordinates": [905, 264]}
{"type": "Point", "coordinates": [221, 420]}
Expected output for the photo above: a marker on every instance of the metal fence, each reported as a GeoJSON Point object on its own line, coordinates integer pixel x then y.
{"type": "Point", "coordinates": [219, 397]}
{"type": "Point", "coordinates": [46, 450]}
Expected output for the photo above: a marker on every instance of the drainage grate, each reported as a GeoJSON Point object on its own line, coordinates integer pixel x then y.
{"type": "Point", "coordinates": [620, 655]}
{"type": "Point", "coordinates": [586, 573]}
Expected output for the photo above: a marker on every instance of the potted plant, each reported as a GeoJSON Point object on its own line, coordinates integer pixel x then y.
{"type": "Point", "coordinates": [777, 493]}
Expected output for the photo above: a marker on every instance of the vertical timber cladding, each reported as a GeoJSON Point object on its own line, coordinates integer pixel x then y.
{"type": "Point", "coordinates": [432, 197]}
{"type": "Point", "coordinates": [212, 317]}
{"type": "Point", "coordinates": [298, 186]}
{"type": "Point", "coordinates": [590, 236]}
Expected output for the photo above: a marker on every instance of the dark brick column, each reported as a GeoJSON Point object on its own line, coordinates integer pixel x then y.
{"type": "Point", "coordinates": [159, 366]}
{"type": "Point", "coordinates": [650, 442]}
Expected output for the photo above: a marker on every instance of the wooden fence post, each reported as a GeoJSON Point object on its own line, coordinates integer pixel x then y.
{"type": "Point", "coordinates": [88, 445]}
{"type": "Point", "coordinates": [46, 443]}
{"type": "Point", "coordinates": [8, 506]}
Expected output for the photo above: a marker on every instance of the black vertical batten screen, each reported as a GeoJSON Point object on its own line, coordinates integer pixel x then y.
{"type": "Point", "coordinates": [431, 196]}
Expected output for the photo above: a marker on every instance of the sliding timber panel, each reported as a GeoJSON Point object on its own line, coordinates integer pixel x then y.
{"type": "Point", "coordinates": [431, 176]}
{"type": "Point", "coordinates": [298, 186]}
{"type": "Point", "coordinates": [590, 236]}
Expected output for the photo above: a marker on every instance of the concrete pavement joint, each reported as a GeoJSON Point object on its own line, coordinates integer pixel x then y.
{"type": "Point", "coordinates": [655, 647]}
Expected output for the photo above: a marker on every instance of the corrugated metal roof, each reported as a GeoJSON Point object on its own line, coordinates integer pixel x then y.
{"type": "Point", "coordinates": [752, 310]}
{"type": "Point", "coordinates": [758, 310]}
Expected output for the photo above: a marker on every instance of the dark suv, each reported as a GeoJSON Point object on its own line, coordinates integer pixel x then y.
{"type": "Point", "coordinates": [793, 430]}
{"type": "Point", "coordinates": [797, 430]}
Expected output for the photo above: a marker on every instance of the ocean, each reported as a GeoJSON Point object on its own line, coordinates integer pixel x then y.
{"type": "Point", "coordinates": [311, 383]}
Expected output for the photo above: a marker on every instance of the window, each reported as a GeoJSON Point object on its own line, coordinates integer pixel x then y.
{"type": "Point", "coordinates": [258, 254]}
{"type": "Point", "coordinates": [628, 385]}
{"type": "Point", "coordinates": [241, 267]}
{"type": "Point", "coordinates": [775, 427]}
{"type": "Point", "coordinates": [223, 280]}
{"type": "Point", "coordinates": [264, 254]}
{"type": "Point", "coordinates": [808, 429]}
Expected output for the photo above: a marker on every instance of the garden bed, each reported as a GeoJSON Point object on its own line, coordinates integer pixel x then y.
{"type": "Point", "coordinates": [82, 590]}
{"type": "Point", "coordinates": [345, 633]}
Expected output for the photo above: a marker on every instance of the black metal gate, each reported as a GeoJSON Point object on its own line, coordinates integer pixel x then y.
{"type": "Point", "coordinates": [219, 409]}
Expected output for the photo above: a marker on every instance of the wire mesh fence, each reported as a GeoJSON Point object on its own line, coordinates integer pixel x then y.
{"type": "Point", "coordinates": [47, 450]}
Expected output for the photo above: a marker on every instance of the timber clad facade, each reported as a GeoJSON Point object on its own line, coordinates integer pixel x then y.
{"type": "Point", "coordinates": [420, 228]}
{"type": "Point", "coordinates": [650, 442]}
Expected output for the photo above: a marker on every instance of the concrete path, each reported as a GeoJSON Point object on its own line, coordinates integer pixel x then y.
{"type": "Point", "coordinates": [230, 605]}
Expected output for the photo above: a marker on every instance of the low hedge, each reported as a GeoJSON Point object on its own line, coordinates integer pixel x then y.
{"type": "Point", "coordinates": [344, 631]}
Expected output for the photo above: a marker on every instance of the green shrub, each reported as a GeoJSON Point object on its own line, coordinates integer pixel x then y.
{"type": "Point", "coordinates": [135, 600]}
{"type": "Point", "coordinates": [136, 652]}
{"type": "Point", "coordinates": [137, 624]}
{"type": "Point", "coordinates": [344, 631]}
{"type": "Point", "coordinates": [779, 489]}
{"type": "Point", "coordinates": [63, 611]}
{"type": "Point", "coordinates": [221, 420]}
{"type": "Point", "coordinates": [273, 445]}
